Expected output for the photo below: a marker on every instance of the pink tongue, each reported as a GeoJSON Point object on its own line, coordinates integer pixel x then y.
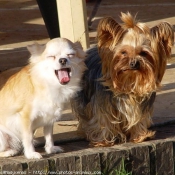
{"type": "Point", "coordinates": [63, 76]}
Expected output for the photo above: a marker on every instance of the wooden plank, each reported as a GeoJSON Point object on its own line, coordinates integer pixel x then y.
{"type": "Point", "coordinates": [73, 21]}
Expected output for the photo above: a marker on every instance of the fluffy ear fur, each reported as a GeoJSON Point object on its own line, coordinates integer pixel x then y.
{"type": "Point", "coordinates": [111, 32]}
{"type": "Point", "coordinates": [108, 30]}
{"type": "Point", "coordinates": [164, 35]}
{"type": "Point", "coordinates": [36, 49]}
{"type": "Point", "coordinates": [78, 47]}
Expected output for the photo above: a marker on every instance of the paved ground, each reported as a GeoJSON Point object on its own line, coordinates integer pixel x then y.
{"type": "Point", "coordinates": [21, 24]}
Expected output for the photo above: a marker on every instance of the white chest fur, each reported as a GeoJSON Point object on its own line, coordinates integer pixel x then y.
{"type": "Point", "coordinates": [47, 108]}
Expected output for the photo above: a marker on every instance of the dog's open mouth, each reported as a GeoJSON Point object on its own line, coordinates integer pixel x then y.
{"type": "Point", "coordinates": [63, 75]}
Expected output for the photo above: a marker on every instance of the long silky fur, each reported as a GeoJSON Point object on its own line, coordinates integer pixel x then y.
{"type": "Point", "coordinates": [105, 117]}
{"type": "Point", "coordinates": [116, 105]}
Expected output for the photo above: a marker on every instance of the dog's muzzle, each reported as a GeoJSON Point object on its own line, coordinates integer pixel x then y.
{"type": "Point", "coordinates": [63, 74]}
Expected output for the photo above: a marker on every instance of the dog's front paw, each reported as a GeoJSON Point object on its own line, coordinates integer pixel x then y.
{"type": "Point", "coordinates": [33, 155]}
{"type": "Point", "coordinates": [53, 149]}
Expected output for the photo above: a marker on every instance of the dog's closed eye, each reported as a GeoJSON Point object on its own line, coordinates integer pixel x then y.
{"type": "Point", "coordinates": [51, 56]}
{"type": "Point", "coordinates": [71, 55]}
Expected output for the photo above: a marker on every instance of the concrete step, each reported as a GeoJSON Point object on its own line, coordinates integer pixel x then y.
{"type": "Point", "coordinates": [148, 158]}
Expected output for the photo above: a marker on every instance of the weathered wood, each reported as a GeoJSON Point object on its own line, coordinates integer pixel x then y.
{"type": "Point", "coordinates": [73, 21]}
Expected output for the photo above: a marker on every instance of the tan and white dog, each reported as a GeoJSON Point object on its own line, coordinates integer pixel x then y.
{"type": "Point", "coordinates": [34, 96]}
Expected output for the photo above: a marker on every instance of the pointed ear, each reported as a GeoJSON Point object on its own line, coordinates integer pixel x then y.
{"type": "Point", "coordinates": [164, 36]}
{"type": "Point", "coordinates": [36, 49]}
{"type": "Point", "coordinates": [78, 47]}
{"type": "Point", "coordinates": [108, 30]}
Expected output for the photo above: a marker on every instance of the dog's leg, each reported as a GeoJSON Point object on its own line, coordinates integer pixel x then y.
{"type": "Point", "coordinates": [140, 132]}
{"type": "Point", "coordinates": [27, 136]}
{"type": "Point", "coordinates": [29, 150]}
{"type": "Point", "coordinates": [49, 146]}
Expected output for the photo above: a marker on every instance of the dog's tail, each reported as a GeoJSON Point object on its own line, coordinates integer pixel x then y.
{"type": "Point", "coordinates": [130, 22]}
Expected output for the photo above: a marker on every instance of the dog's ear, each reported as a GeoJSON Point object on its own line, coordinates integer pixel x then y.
{"type": "Point", "coordinates": [36, 49]}
{"type": "Point", "coordinates": [163, 34]}
{"type": "Point", "coordinates": [163, 39]}
{"type": "Point", "coordinates": [108, 30]}
{"type": "Point", "coordinates": [78, 47]}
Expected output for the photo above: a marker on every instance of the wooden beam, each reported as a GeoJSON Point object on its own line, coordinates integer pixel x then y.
{"type": "Point", "coordinates": [73, 21]}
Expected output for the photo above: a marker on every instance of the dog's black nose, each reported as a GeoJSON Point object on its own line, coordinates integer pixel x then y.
{"type": "Point", "coordinates": [135, 65]}
{"type": "Point", "coordinates": [62, 61]}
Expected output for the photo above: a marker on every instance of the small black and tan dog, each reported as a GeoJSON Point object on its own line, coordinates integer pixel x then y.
{"type": "Point", "coordinates": [119, 87]}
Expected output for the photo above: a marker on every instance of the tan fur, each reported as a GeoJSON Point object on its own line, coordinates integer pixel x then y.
{"type": "Point", "coordinates": [5, 75]}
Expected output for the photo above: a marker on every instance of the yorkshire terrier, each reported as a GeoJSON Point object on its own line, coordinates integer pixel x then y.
{"type": "Point", "coordinates": [119, 88]}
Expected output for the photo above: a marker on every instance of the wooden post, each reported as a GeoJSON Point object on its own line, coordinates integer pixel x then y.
{"type": "Point", "coordinates": [73, 21]}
